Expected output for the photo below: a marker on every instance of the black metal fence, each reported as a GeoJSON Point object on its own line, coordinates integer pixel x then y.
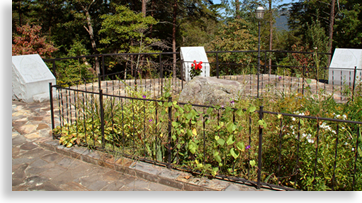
{"type": "Point", "coordinates": [255, 147]}
{"type": "Point", "coordinates": [130, 111]}
{"type": "Point", "coordinates": [285, 74]}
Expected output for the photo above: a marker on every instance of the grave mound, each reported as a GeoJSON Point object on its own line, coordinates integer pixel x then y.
{"type": "Point", "coordinates": [210, 91]}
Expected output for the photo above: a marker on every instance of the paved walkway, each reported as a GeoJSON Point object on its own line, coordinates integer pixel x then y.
{"type": "Point", "coordinates": [40, 163]}
{"type": "Point", "coordinates": [36, 168]}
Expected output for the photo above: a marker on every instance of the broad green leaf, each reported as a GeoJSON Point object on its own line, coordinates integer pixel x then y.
{"type": "Point", "coordinates": [262, 123]}
{"type": "Point", "coordinates": [309, 81]}
{"type": "Point", "coordinates": [251, 109]}
{"type": "Point", "coordinates": [241, 146]}
{"type": "Point", "coordinates": [189, 116]}
{"type": "Point", "coordinates": [232, 152]}
{"type": "Point", "coordinates": [192, 147]}
{"type": "Point", "coordinates": [231, 127]}
{"type": "Point", "coordinates": [221, 142]}
{"type": "Point", "coordinates": [230, 140]}
{"type": "Point", "coordinates": [189, 132]}
{"type": "Point", "coordinates": [252, 163]}
{"type": "Point", "coordinates": [239, 112]}
{"type": "Point", "coordinates": [216, 137]}
{"type": "Point", "coordinates": [217, 158]}
{"type": "Point", "coordinates": [174, 124]}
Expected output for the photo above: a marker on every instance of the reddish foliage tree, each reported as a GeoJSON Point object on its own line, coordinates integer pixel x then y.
{"type": "Point", "coordinates": [302, 58]}
{"type": "Point", "coordinates": [28, 41]}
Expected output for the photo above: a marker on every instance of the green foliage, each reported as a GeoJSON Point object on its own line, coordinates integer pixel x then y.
{"type": "Point", "coordinates": [73, 70]}
{"type": "Point", "coordinates": [123, 26]}
{"type": "Point", "coordinates": [224, 140]}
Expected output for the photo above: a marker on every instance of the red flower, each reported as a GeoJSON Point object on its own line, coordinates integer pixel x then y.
{"type": "Point", "coordinates": [197, 70]}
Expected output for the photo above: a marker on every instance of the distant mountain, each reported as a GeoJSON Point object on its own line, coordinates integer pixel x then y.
{"type": "Point", "coordinates": [281, 23]}
{"type": "Point", "coordinates": [282, 20]}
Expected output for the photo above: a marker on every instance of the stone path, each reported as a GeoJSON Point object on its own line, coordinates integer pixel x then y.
{"type": "Point", "coordinates": [40, 163]}
{"type": "Point", "coordinates": [35, 168]}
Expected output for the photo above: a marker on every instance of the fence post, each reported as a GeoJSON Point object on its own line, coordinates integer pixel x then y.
{"type": "Point", "coordinates": [51, 107]}
{"type": "Point", "coordinates": [182, 74]}
{"type": "Point", "coordinates": [161, 73]}
{"type": "Point", "coordinates": [261, 114]}
{"type": "Point", "coordinates": [99, 81]}
{"type": "Point", "coordinates": [217, 65]}
{"type": "Point", "coordinates": [354, 81]}
{"type": "Point", "coordinates": [169, 130]}
{"type": "Point", "coordinates": [103, 67]}
{"type": "Point", "coordinates": [102, 115]}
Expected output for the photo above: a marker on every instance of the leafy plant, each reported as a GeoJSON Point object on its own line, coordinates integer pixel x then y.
{"type": "Point", "coordinates": [224, 140]}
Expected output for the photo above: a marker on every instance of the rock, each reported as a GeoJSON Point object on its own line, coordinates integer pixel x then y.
{"type": "Point", "coordinates": [210, 91]}
{"type": "Point", "coordinates": [25, 129]}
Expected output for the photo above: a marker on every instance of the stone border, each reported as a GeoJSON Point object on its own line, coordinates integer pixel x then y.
{"type": "Point", "coordinates": [158, 174]}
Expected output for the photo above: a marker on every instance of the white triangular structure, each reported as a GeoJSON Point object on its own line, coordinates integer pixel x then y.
{"type": "Point", "coordinates": [31, 78]}
{"type": "Point", "coordinates": [341, 69]}
{"type": "Point", "coordinates": [188, 55]}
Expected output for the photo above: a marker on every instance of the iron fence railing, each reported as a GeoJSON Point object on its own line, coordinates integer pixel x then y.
{"type": "Point", "coordinates": [131, 112]}
{"type": "Point", "coordinates": [255, 147]}
{"type": "Point", "coordinates": [279, 77]}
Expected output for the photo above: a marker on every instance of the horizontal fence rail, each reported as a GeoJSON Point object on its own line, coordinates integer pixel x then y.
{"type": "Point", "coordinates": [129, 109]}
{"type": "Point", "coordinates": [152, 69]}
{"type": "Point", "coordinates": [252, 146]}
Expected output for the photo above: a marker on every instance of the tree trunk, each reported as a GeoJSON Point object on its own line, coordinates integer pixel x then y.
{"type": "Point", "coordinates": [271, 34]}
{"type": "Point", "coordinates": [90, 31]}
{"type": "Point", "coordinates": [152, 14]}
{"type": "Point", "coordinates": [237, 8]}
{"type": "Point", "coordinates": [174, 38]}
{"type": "Point", "coordinates": [19, 13]}
{"type": "Point", "coordinates": [144, 2]}
{"type": "Point", "coordinates": [331, 22]}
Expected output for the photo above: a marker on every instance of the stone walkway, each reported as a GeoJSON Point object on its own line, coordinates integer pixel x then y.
{"type": "Point", "coordinates": [35, 168]}
{"type": "Point", "coordinates": [40, 163]}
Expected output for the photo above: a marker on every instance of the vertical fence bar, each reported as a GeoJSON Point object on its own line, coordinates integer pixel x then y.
{"type": "Point", "coordinates": [335, 159]}
{"type": "Point", "coordinates": [297, 161]}
{"type": "Point", "coordinates": [217, 65]}
{"type": "Point", "coordinates": [261, 114]}
{"type": "Point", "coordinates": [169, 130]}
{"type": "Point", "coordinates": [161, 73]}
{"type": "Point", "coordinates": [303, 80]}
{"type": "Point", "coordinates": [102, 115]}
{"type": "Point", "coordinates": [354, 81]}
{"type": "Point", "coordinates": [51, 107]}
{"type": "Point", "coordinates": [280, 149]}
{"type": "Point", "coordinates": [355, 159]}
{"type": "Point", "coordinates": [182, 74]}
{"type": "Point", "coordinates": [103, 67]}
{"type": "Point", "coordinates": [316, 152]}
{"type": "Point", "coordinates": [99, 82]}
{"type": "Point", "coordinates": [249, 143]}
{"type": "Point", "coordinates": [204, 129]}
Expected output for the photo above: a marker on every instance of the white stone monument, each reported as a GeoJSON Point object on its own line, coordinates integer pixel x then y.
{"type": "Point", "coordinates": [341, 69]}
{"type": "Point", "coordinates": [31, 78]}
{"type": "Point", "coordinates": [188, 55]}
